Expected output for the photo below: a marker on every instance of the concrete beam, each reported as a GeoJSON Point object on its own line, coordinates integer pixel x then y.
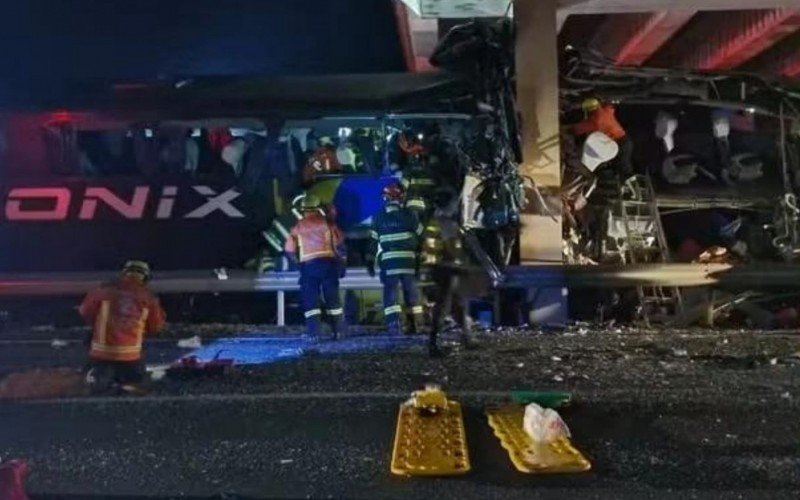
{"type": "Point", "coordinates": [631, 39]}
{"type": "Point", "coordinates": [537, 102]}
{"type": "Point", "coordinates": [737, 37]}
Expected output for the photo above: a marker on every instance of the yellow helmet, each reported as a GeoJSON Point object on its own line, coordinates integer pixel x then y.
{"type": "Point", "coordinates": [590, 104]}
{"type": "Point", "coordinates": [310, 202]}
{"type": "Point", "coordinates": [138, 267]}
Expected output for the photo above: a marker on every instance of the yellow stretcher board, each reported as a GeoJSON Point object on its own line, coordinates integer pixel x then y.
{"type": "Point", "coordinates": [529, 456]}
{"type": "Point", "coordinates": [430, 439]}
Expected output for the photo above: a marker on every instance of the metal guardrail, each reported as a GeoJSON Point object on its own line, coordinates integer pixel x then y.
{"type": "Point", "coordinates": [524, 277]}
{"type": "Point", "coordinates": [540, 276]}
{"type": "Point", "coordinates": [54, 284]}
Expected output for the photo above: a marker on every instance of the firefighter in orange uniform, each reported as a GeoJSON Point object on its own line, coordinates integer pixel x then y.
{"type": "Point", "coordinates": [322, 162]}
{"type": "Point", "coordinates": [602, 118]}
{"type": "Point", "coordinates": [121, 312]}
{"type": "Point", "coordinates": [316, 244]}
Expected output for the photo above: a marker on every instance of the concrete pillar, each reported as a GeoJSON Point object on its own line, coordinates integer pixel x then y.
{"type": "Point", "coordinates": [537, 100]}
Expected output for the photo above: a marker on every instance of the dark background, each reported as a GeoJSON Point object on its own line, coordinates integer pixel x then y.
{"type": "Point", "coordinates": [49, 45]}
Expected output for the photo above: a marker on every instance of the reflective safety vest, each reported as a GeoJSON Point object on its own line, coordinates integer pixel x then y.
{"type": "Point", "coordinates": [420, 187]}
{"type": "Point", "coordinates": [395, 239]}
{"type": "Point", "coordinates": [315, 237]}
{"type": "Point", "coordinates": [601, 120]}
{"type": "Point", "coordinates": [121, 313]}
{"type": "Point", "coordinates": [323, 161]}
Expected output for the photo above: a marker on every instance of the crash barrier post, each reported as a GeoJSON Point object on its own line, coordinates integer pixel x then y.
{"type": "Point", "coordinates": [281, 305]}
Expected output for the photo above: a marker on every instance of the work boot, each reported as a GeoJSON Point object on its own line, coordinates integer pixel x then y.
{"type": "Point", "coordinates": [416, 323]}
{"type": "Point", "coordinates": [339, 328]}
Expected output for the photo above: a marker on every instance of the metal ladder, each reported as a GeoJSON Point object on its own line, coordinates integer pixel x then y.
{"type": "Point", "coordinates": [645, 243]}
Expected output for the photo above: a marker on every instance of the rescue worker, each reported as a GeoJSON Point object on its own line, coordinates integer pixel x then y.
{"type": "Point", "coordinates": [394, 246]}
{"type": "Point", "coordinates": [602, 118]}
{"type": "Point", "coordinates": [454, 282]}
{"type": "Point", "coordinates": [322, 162]}
{"type": "Point", "coordinates": [317, 245]}
{"type": "Point", "coordinates": [417, 181]}
{"type": "Point", "coordinates": [121, 313]}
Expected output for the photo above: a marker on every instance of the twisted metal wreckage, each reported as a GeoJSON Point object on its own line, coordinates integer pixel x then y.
{"type": "Point", "coordinates": [738, 163]}
{"type": "Point", "coordinates": [720, 144]}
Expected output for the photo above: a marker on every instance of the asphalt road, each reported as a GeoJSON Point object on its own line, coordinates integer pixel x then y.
{"type": "Point", "coordinates": [660, 415]}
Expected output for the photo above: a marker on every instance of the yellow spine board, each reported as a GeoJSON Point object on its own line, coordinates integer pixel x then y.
{"type": "Point", "coordinates": [430, 445]}
{"type": "Point", "coordinates": [529, 456]}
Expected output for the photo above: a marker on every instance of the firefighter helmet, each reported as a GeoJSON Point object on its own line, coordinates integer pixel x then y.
{"type": "Point", "coordinates": [393, 192]}
{"type": "Point", "coordinates": [137, 267]}
{"type": "Point", "coordinates": [310, 202]}
{"type": "Point", "coordinates": [590, 104]}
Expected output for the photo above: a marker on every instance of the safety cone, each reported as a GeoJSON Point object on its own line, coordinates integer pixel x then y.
{"type": "Point", "coordinates": [12, 480]}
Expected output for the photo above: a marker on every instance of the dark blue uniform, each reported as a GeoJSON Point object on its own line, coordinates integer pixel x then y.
{"type": "Point", "coordinates": [396, 236]}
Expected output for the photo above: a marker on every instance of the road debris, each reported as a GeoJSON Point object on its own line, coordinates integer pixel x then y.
{"type": "Point", "coordinates": [59, 344]}
{"type": "Point", "coordinates": [191, 343]}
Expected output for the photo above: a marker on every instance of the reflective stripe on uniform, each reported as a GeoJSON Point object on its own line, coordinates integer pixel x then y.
{"type": "Point", "coordinates": [398, 254]}
{"type": "Point", "coordinates": [420, 229]}
{"type": "Point", "coordinates": [315, 255]}
{"type": "Point", "coordinates": [374, 235]}
{"type": "Point", "coordinates": [116, 349]}
{"type": "Point", "coordinates": [273, 241]}
{"type": "Point", "coordinates": [312, 313]}
{"type": "Point", "coordinates": [384, 238]}
{"type": "Point", "coordinates": [416, 203]}
{"type": "Point", "coordinates": [417, 310]}
{"type": "Point", "coordinates": [335, 312]}
{"type": "Point", "coordinates": [281, 228]}
{"type": "Point", "coordinates": [402, 270]}
{"type": "Point", "coordinates": [101, 323]}
{"type": "Point", "coordinates": [421, 181]}
{"type": "Point", "coordinates": [392, 310]}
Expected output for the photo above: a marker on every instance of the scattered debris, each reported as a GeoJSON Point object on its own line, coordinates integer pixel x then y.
{"type": "Point", "coordinates": [221, 273]}
{"type": "Point", "coordinates": [773, 361]}
{"type": "Point", "coordinates": [680, 353]}
{"type": "Point", "coordinates": [520, 365]}
{"type": "Point", "coordinates": [286, 461]}
{"type": "Point", "coordinates": [43, 328]}
{"type": "Point", "coordinates": [157, 372]}
{"type": "Point", "coordinates": [191, 343]}
{"type": "Point", "coordinates": [786, 395]}
{"type": "Point", "coordinates": [555, 358]}
{"type": "Point", "coordinates": [59, 344]}
{"type": "Point", "coordinates": [558, 378]}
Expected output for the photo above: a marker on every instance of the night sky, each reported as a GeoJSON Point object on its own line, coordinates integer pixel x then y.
{"type": "Point", "coordinates": [49, 42]}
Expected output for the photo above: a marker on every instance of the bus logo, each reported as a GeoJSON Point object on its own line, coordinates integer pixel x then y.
{"type": "Point", "coordinates": [53, 203]}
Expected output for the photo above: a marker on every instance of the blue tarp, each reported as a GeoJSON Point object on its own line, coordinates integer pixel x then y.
{"type": "Point", "coordinates": [264, 350]}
